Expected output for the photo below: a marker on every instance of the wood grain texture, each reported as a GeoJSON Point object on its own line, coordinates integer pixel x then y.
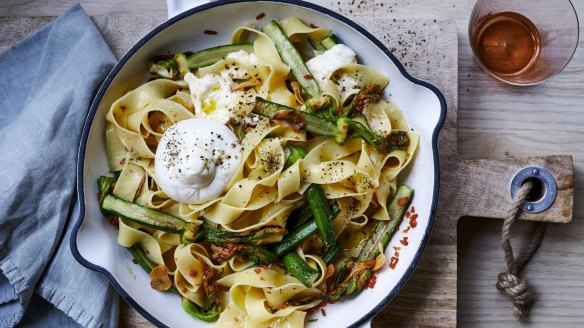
{"type": "Point", "coordinates": [495, 121]}
{"type": "Point", "coordinates": [429, 295]}
{"type": "Point", "coordinates": [33, 8]}
{"type": "Point", "coordinates": [120, 32]}
{"type": "Point", "coordinates": [481, 188]}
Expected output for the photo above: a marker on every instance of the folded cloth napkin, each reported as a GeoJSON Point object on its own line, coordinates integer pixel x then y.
{"type": "Point", "coordinates": [46, 86]}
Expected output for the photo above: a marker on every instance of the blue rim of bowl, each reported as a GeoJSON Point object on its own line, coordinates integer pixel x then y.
{"type": "Point", "coordinates": [105, 85]}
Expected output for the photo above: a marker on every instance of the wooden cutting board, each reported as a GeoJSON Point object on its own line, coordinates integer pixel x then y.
{"type": "Point", "coordinates": [429, 50]}
{"type": "Point", "coordinates": [478, 188]}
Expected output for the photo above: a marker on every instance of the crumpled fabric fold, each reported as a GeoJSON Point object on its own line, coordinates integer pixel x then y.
{"type": "Point", "coordinates": [46, 86]}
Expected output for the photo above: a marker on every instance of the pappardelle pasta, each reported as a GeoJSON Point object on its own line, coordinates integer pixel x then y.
{"type": "Point", "coordinates": [258, 179]}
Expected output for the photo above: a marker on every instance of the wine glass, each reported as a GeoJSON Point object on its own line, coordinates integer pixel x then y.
{"type": "Point", "coordinates": [523, 42]}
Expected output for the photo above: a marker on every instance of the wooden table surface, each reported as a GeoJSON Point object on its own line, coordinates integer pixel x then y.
{"type": "Point", "coordinates": [494, 121]}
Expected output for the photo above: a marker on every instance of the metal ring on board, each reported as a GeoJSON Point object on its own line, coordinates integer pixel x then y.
{"type": "Point", "coordinates": [549, 184]}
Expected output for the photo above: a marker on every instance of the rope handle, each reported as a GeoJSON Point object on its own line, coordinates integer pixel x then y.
{"type": "Point", "coordinates": [510, 282]}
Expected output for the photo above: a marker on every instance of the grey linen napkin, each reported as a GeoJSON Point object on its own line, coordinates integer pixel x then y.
{"type": "Point", "coordinates": [46, 86]}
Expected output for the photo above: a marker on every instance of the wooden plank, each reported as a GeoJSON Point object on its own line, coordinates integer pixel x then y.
{"type": "Point", "coordinates": [482, 192]}
{"type": "Point", "coordinates": [554, 275]}
{"type": "Point", "coordinates": [13, 29]}
{"type": "Point", "coordinates": [28, 8]}
{"type": "Point", "coordinates": [120, 32]}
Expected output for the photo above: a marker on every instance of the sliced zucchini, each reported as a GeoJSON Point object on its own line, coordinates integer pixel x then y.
{"type": "Point", "coordinates": [145, 216]}
{"type": "Point", "coordinates": [298, 268]}
{"type": "Point", "coordinates": [292, 58]}
{"type": "Point", "coordinates": [214, 235]}
{"type": "Point", "coordinates": [400, 202]}
{"type": "Point", "coordinates": [167, 66]}
{"type": "Point", "coordinates": [330, 41]}
{"type": "Point", "coordinates": [384, 230]}
{"type": "Point", "coordinates": [316, 45]}
{"type": "Point", "coordinates": [311, 122]}
{"type": "Point", "coordinates": [269, 109]}
{"type": "Point", "coordinates": [212, 55]}
{"type": "Point", "coordinates": [141, 258]}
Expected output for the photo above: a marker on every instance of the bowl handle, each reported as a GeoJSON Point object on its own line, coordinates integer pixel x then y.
{"type": "Point", "coordinates": [175, 7]}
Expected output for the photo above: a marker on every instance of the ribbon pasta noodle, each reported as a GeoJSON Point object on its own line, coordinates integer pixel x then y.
{"type": "Point", "coordinates": [233, 257]}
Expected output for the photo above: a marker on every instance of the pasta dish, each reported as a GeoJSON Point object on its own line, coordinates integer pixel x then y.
{"type": "Point", "coordinates": [258, 180]}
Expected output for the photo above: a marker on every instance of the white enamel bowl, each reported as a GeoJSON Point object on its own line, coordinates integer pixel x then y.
{"type": "Point", "coordinates": [93, 241]}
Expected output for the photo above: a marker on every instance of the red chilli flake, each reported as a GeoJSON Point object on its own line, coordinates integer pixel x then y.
{"type": "Point", "coordinates": [404, 241]}
{"type": "Point", "coordinates": [407, 229]}
{"type": "Point", "coordinates": [260, 16]}
{"type": "Point", "coordinates": [413, 209]}
{"type": "Point", "coordinates": [413, 222]}
{"type": "Point", "coordinates": [193, 273]}
{"type": "Point", "coordinates": [308, 76]}
{"type": "Point", "coordinates": [393, 262]}
{"type": "Point", "coordinates": [313, 26]}
{"type": "Point", "coordinates": [210, 32]}
{"type": "Point", "coordinates": [408, 214]}
{"type": "Point", "coordinates": [113, 220]}
{"type": "Point", "coordinates": [257, 270]}
{"type": "Point", "coordinates": [323, 312]}
{"type": "Point", "coordinates": [403, 201]}
{"type": "Point", "coordinates": [371, 282]}
{"type": "Point", "coordinates": [134, 261]}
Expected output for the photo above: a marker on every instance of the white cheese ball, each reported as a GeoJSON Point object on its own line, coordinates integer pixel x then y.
{"type": "Point", "coordinates": [195, 160]}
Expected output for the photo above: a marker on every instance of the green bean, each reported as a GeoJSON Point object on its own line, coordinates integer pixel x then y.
{"type": "Point", "coordinates": [141, 258]}
{"type": "Point", "coordinates": [259, 255]}
{"type": "Point", "coordinates": [145, 263]}
{"type": "Point", "coordinates": [331, 253]}
{"type": "Point", "coordinates": [299, 217]}
{"type": "Point", "coordinates": [290, 241]}
{"type": "Point", "coordinates": [321, 212]}
{"type": "Point", "coordinates": [304, 215]}
{"type": "Point", "coordinates": [296, 153]}
{"type": "Point", "coordinates": [208, 315]}
{"type": "Point", "coordinates": [301, 233]}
